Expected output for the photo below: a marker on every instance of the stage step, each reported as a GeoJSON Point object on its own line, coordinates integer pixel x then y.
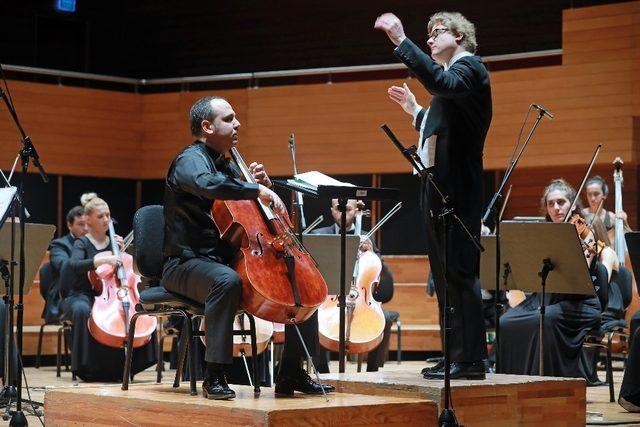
{"type": "Point", "coordinates": [163, 405]}
{"type": "Point", "coordinates": [500, 400]}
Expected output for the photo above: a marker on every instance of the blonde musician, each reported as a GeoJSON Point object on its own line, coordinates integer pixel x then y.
{"type": "Point", "coordinates": [568, 318]}
{"type": "Point", "coordinates": [90, 360]}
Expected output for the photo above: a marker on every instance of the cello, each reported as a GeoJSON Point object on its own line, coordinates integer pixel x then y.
{"type": "Point", "coordinates": [280, 280]}
{"type": "Point", "coordinates": [118, 293]}
{"type": "Point", "coordinates": [365, 321]}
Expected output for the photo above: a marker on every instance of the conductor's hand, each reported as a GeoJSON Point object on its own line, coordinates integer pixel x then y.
{"type": "Point", "coordinates": [268, 197]}
{"type": "Point", "coordinates": [259, 174]}
{"type": "Point", "coordinates": [112, 260]}
{"type": "Point", "coordinates": [404, 97]}
{"type": "Point", "coordinates": [390, 24]}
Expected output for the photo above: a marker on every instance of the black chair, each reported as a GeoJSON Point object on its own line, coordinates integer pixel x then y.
{"type": "Point", "coordinates": [148, 233]}
{"type": "Point", "coordinates": [64, 328]}
{"type": "Point", "coordinates": [613, 324]}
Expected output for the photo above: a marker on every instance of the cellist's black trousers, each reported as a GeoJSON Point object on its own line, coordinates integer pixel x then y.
{"type": "Point", "coordinates": [309, 331]}
{"type": "Point", "coordinates": [219, 287]}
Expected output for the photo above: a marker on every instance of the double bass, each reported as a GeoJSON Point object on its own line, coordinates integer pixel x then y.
{"type": "Point", "coordinates": [114, 306]}
{"type": "Point", "coordinates": [280, 280]}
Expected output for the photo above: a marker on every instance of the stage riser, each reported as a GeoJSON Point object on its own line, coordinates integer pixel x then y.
{"type": "Point", "coordinates": [161, 405]}
{"type": "Point", "coordinates": [501, 400]}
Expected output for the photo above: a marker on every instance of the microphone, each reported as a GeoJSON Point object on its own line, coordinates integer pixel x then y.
{"type": "Point", "coordinates": [542, 110]}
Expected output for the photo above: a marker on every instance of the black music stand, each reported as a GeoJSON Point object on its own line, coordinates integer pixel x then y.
{"type": "Point", "coordinates": [488, 275]}
{"type": "Point", "coordinates": [343, 194]}
{"type": "Point", "coordinates": [552, 252]}
{"type": "Point", "coordinates": [633, 246]}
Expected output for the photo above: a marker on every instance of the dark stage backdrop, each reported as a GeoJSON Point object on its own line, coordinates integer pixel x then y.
{"type": "Point", "coordinates": [149, 38]}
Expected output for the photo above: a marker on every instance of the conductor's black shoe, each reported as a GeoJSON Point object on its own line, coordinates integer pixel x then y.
{"type": "Point", "coordinates": [299, 380]}
{"type": "Point", "coordinates": [437, 367]}
{"type": "Point", "coordinates": [216, 388]}
{"type": "Point", "coordinates": [470, 371]}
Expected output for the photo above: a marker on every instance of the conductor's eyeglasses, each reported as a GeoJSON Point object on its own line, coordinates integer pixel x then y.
{"type": "Point", "coordinates": [436, 32]}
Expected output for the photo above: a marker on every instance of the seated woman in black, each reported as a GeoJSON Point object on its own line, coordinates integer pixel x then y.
{"type": "Point", "coordinates": [568, 318]}
{"type": "Point", "coordinates": [90, 360]}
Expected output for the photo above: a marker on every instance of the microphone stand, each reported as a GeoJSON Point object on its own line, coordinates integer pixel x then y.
{"type": "Point", "coordinates": [447, 416]}
{"type": "Point", "coordinates": [27, 152]}
{"type": "Point", "coordinates": [494, 211]}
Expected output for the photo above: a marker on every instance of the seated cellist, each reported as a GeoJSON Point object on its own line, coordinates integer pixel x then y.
{"type": "Point", "coordinates": [197, 260]}
{"type": "Point", "coordinates": [90, 360]}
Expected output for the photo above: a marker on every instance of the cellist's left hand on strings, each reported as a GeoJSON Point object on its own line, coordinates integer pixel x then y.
{"type": "Point", "coordinates": [120, 242]}
{"type": "Point", "coordinates": [365, 244]}
{"type": "Point", "coordinates": [259, 174]}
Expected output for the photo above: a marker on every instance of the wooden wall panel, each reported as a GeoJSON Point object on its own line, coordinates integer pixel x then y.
{"type": "Point", "coordinates": [76, 131]}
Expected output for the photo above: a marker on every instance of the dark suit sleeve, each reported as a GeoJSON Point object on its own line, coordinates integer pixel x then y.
{"type": "Point", "coordinates": [80, 262]}
{"type": "Point", "coordinates": [58, 255]}
{"type": "Point", "coordinates": [458, 81]}
{"type": "Point", "coordinates": [192, 174]}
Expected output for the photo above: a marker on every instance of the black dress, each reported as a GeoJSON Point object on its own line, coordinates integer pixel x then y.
{"type": "Point", "coordinates": [629, 397]}
{"type": "Point", "coordinates": [90, 360]}
{"type": "Point", "coordinates": [568, 319]}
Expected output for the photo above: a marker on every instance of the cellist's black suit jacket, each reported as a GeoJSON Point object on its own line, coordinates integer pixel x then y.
{"type": "Point", "coordinates": [459, 115]}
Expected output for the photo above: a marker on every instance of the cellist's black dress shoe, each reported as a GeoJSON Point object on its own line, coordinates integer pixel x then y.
{"type": "Point", "coordinates": [216, 388]}
{"type": "Point", "coordinates": [437, 367]}
{"type": "Point", "coordinates": [299, 380]}
{"type": "Point", "coordinates": [470, 371]}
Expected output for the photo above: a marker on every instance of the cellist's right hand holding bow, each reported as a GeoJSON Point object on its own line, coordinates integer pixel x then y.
{"type": "Point", "coordinates": [110, 259]}
{"type": "Point", "coordinates": [270, 198]}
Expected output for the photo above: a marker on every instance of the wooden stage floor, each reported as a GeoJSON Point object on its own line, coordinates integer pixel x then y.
{"type": "Point", "coordinates": [598, 408]}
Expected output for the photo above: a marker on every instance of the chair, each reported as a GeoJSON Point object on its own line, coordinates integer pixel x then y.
{"type": "Point", "coordinates": [148, 233]}
{"type": "Point", "coordinates": [614, 324]}
{"type": "Point", "coordinates": [46, 280]}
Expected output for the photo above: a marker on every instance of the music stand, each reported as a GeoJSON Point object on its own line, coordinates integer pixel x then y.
{"type": "Point", "coordinates": [7, 196]}
{"type": "Point", "coordinates": [488, 278]}
{"type": "Point", "coordinates": [37, 239]}
{"type": "Point", "coordinates": [552, 252]}
{"type": "Point", "coordinates": [488, 266]}
{"type": "Point", "coordinates": [633, 246]}
{"type": "Point", "coordinates": [325, 249]}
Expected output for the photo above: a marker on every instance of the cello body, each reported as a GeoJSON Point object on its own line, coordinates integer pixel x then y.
{"type": "Point", "coordinates": [364, 316]}
{"type": "Point", "coordinates": [280, 280]}
{"type": "Point", "coordinates": [112, 310]}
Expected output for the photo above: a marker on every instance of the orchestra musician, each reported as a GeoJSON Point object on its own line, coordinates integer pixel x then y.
{"type": "Point", "coordinates": [59, 254]}
{"type": "Point", "coordinates": [197, 259]}
{"type": "Point", "coordinates": [568, 318]}
{"type": "Point", "coordinates": [90, 360]}
{"type": "Point", "coordinates": [597, 191]}
{"type": "Point", "coordinates": [452, 133]}
{"type": "Point", "coordinates": [383, 292]}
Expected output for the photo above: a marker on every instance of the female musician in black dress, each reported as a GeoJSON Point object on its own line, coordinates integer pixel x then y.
{"type": "Point", "coordinates": [90, 360]}
{"type": "Point", "coordinates": [568, 318]}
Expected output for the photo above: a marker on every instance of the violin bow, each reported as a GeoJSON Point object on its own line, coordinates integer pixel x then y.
{"type": "Point", "coordinates": [584, 180]}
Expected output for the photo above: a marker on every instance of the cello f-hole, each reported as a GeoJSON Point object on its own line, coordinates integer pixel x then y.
{"type": "Point", "coordinates": [261, 250]}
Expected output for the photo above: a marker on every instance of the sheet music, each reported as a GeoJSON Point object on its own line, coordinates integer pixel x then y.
{"type": "Point", "coordinates": [6, 198]}
{"type": "Point", "coordinates": [314, 178]}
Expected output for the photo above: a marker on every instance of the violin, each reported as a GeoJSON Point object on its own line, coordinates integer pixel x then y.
{"type": "Point", "coordinates": [280, 280]}
{"type": "Point", "coordinates": [118, 293]}
{"type": "Point", "coordinates": [364, 325]}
